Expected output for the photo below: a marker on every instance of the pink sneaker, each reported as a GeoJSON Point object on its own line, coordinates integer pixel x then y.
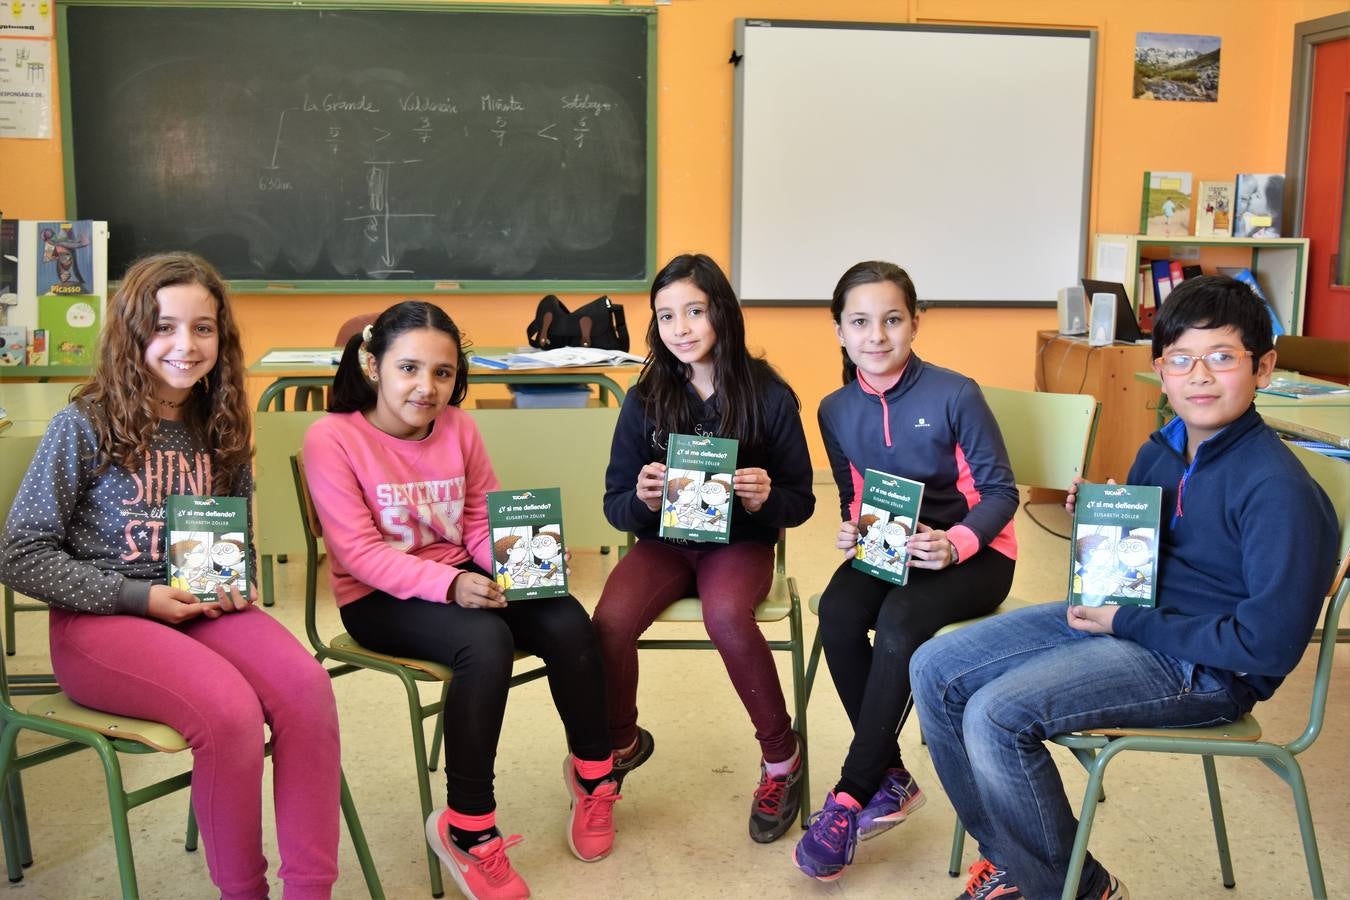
{"type": "Point", "coordinates": [483, 873]}
{"type": "Point", "coordinates": [590, 826]}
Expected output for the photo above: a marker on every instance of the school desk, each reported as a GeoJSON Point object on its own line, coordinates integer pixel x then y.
{"type": "Point", "coordinates": [605, 378]}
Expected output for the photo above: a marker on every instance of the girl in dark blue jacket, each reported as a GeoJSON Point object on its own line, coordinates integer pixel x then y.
{"type": "Point", "coordinates": [700, 379]}
{"type": "Point", "coordinates": [903, 416]}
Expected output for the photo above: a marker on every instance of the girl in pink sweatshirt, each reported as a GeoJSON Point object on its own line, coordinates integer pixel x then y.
{"type": "Point", "coordinates": [399, 476]}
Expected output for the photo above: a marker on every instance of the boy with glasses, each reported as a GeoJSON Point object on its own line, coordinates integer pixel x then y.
{"type": "Point", "coordinates": [1247, 547]}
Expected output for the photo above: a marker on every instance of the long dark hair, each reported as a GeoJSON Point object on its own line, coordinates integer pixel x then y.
{"type": "Point", "coordinates": [737, 376]}
{"type": "Point", "coordinates": [120, 398]}
{"type": "Point", "coordinates": [353, 392]}
{"type": "Point", "coordinates": [870, 271]}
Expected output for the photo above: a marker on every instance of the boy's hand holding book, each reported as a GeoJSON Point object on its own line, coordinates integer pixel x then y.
{"type": "Point", "coordinates": [1072, 497]}
{"type": "Point", "coordinates": [1092, 619]}
{"type": "Point", "coordinates": [752, 486]}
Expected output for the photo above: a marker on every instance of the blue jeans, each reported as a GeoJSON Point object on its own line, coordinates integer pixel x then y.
{"type": "Point", "coordinates": [988, 697]}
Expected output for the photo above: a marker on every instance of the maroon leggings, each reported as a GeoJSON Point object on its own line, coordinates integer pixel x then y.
{"type": "Point", "coordinates": [730, 581]}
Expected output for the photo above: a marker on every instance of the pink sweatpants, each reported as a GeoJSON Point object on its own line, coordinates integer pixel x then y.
{"type": "Point", "coordinates": [217, 681]}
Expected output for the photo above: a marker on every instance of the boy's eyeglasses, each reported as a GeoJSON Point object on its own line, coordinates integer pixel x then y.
{"type": "Point", "coordinates": [1218, 361]}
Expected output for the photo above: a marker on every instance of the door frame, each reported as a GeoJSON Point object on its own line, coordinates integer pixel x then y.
{"type": "Point", "coordinates": [1307, 35]}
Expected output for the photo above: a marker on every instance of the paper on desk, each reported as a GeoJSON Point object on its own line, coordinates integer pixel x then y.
{"type": "Point", "coordinates": [564, 357]}
{"type": "Point", "coordinates": [329, 357]}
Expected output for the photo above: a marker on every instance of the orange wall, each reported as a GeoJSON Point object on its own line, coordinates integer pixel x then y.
{"type": "Point", "coordinates": [1245, 130]}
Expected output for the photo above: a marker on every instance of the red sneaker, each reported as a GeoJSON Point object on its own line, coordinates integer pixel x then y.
{"type": "Point", "coordinates": [590, 826]}
{"type": "Point", "coordinates": [484, 872]}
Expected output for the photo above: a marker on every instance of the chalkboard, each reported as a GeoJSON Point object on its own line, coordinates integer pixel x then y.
{"type": "Point", "coordinates": [365, 149]}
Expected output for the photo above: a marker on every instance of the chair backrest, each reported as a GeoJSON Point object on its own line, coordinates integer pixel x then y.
{"type": "Point", "coordinates": [1048, 436]}
{"type": "Point", "coordinates": [17, 451]}
{"type": "Point", "coordinates": [352, 326]}
{"type": "Point", "coordinates": [309, 516]}
{"type": "Point", "coordinates": [1313, 355]}
{"type": "Point", "coordinates": [1334, 477]}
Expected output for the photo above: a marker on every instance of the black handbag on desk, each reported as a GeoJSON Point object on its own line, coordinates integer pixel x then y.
{"type": "Point", "coordinates": [599, 324]}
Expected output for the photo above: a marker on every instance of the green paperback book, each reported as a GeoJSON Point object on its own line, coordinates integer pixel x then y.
{"type": "Point", "coordinates": [696, 501]}
{"type": "Point", "coordinates": [1114, 555]}
{"type": "Point", "coordinates": [207, 543]}
{"type": "Point", "coordinates": [527, 543]}
{"type": "Point", "coordinates": [886, 519]}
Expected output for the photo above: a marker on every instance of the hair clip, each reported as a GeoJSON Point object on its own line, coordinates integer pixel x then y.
{"type": "Point", "coordinates": [367, 333]}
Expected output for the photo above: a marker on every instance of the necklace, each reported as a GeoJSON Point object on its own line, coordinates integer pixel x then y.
{"type": "Point", "coordinates": [171, 404]}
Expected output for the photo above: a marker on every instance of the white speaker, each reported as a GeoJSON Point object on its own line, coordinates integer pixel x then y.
{"type": "Point", "coordinates": [1102, 325]}
{"type": "Point", "coordinates": [1072, 314]}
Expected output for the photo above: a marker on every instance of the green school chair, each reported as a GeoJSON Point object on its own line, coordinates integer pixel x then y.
{"type": "Point", "coordinates": [783, 602]}
{"type": "Point", "coordinates": [1096, 749]}
{"type": "Point", "coordinates": [18, 452]}
{"type": "Point", "coordinates": [528, 448]}
{"type": "Point", "coordinates": [79, 728]}
{"type": "Point", "coordinates": [1049, 441]}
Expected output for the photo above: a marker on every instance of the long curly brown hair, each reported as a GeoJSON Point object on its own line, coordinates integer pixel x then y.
{"type": "Point", "coordinates": [121, 398]}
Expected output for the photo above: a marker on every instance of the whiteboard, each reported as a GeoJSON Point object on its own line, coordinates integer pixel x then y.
{"type": "Point", "coordinates": [962, 154]}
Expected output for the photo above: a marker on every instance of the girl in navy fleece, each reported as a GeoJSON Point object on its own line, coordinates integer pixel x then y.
{"type": "Point", "coordinates": [900, 415]}
{"type": "Point", "coordinates": [700, 379]}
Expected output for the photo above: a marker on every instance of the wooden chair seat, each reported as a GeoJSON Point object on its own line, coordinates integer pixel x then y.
{"type": "Point", "coordinates": [155, 735]}
{"type": "Point", "coordinates": [773, 608]}
{"type": "Point", "coordinates": [423, 669]}
{"type": "Point", "coordinates": [1244, 729]}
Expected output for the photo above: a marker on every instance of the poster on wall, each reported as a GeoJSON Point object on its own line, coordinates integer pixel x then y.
{"type": "Point", "coordinates": [25, 89]}
{"type": "Point", "coordinates": [1176, 67]}
{"type": "Point", "coordinates": [26, 18]}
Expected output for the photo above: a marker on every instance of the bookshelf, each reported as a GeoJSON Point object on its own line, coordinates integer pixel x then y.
{"type": "Point", "coordinates": [1279, 264]}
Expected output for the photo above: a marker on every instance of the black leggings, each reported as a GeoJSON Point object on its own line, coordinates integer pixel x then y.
{"type": "Point", "coordinates": [873, 678]}
{"type": "Point", "coordinates": [479, 645]}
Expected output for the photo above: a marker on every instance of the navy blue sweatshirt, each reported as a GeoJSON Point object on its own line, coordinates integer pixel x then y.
{"type": "Point", "coordinates": [1247, 550]}
{"type": "Point", "coordinates": [931, 426]}
{"type": "Point", "coordinates": [783, 454]}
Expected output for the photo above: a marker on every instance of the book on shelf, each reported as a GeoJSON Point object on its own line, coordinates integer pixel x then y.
{"type": "Point", "coordinates": [50, 257]}
{"type": "Point", "coordinates": [1245, 276]}
{"type": "Point", "coordinates": [206, 544]}
{"type": "Point", "coordinates": [887, 515]}
{"type": "Point", "coordinates": [1166, 205]}
{"type": "Point", "coordinates": [1162, 279]}
{"type": "Point", "coordinates": [527, 543]}
{"type": "Point", "coordinates": [1214, 209]}
{"type": "Point", "coordinates": [1113, 558]}
{"type": "Point", "coordinates": [696, 494]}
{"type": "Point", "coordinates": [1282, 386]}
{"type": "Point", "coordinates": [37, 348]}
{"type": "Point", "coordinates": [1258, 201]}
{"type": "Point", "coordinates": [13, 345]}
{"type": "Point", "coordinates": [71, 322]}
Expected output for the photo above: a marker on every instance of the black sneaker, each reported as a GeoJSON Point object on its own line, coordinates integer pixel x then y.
{"type": "Point", "coordinates": [643, 752]}
{"type": "Point", "coordinates": [777, 801]}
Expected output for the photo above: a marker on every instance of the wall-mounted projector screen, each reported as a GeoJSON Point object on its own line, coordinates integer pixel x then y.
{"type": "Point", "coordinates": [963, 154]}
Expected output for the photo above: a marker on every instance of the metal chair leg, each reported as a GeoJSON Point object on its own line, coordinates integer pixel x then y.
{"type": "Point", "coordinates": [958, 848]}
{"type": "Point", "coordinates": [433, 758]}
{"type": "Point", "coordinates": [800, 698]}
{"type": "Point", "coordinates": [190, 839]}
{"type": "Point", "coordinates": [117, 808]}
{"type": "Point", "coordinates": [1220, 828]}
{"type": "Point", "coordinates": [362, 847]}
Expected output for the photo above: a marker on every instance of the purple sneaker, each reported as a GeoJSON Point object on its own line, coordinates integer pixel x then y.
{"type": "Point", "coordinates": [830, 839]}
{"type": "Point", "coordinates": [898, 796]}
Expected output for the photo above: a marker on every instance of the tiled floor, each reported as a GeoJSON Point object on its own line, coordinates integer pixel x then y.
{"type": "Point", "coordinates": [682, 823]}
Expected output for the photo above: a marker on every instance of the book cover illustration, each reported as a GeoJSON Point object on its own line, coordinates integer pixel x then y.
{"type": "Point", "coordinates": [206, 539]}
{"type": "Point", "coordinates": [13, 345]}
{"type": "Point", "coordinates": [697, 493]}
{"type": "Point", "coordinates": [886, 519]}
{"type": "Point", "coordinates": [72, 323]}
{"type": "Point", "coordinates": [1166, 206]}
{"type": "Point", "coordinates": [1214, 209]}
{"type": "Point", "coordinates": [66, 258]}
{"type": "Point", "coordinates": [1289, 387]}
{"type": "Point", "coordinates": [1114, 555]}
{"type": "Point", "coordinates": [1258, 206]}
{"type": "Point", "coordinates": [527, 543]}
{"type": "Point", "coordinates": [37, 348]}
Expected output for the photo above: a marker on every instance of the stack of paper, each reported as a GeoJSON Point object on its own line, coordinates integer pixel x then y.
{"type": "Point", "coordinates": [559, 358]}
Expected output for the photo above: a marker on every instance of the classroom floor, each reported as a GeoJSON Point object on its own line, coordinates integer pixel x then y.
{"type": "Point", "coordinates": [682, 822]}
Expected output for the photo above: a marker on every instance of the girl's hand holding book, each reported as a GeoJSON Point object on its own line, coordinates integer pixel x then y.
{"type": "Point", "coordinates": [651, 485]}
{"type": "Point", "coordinates": [175, 606]}
{"type": "Point", "coordinates": [930, 548]}
{"type": "Point", "coordinates": [231, 600]}
{"type": "Point", "coordinates": [848, 539]}
{"type": "Point", "coordinates": [752, 486]}
{"type": "Point", "coordinates": [474, 591]}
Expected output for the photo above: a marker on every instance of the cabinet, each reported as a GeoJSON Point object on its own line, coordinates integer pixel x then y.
{"type": "Point", "coordinates": [1068, 365]}
{"type": "Point", "coordinates": [1279, 264]}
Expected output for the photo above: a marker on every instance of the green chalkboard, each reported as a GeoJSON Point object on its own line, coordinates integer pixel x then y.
{"type": "Point", "coordinates": [336, 148]}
